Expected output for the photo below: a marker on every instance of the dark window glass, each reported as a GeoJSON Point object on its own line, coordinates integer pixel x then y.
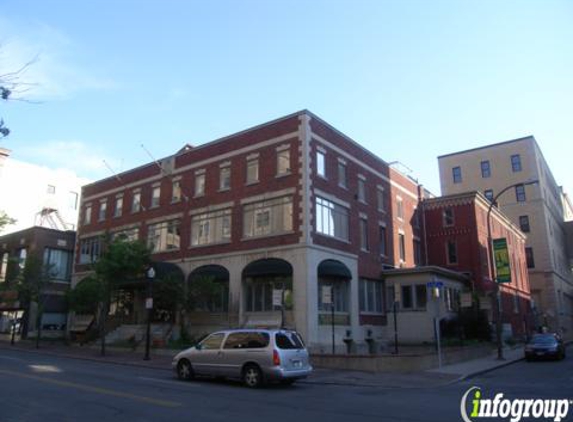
{"type": "Point", "coordinates": [288, 341]}
{"type": "Point", "coordinates": [448, 217]}
{"type": "Point", "coordinates": [407, 297]}
{"type": "Point", "coordinates": [520, 193]}
{"type": "Point", "coordinates": [452, 252]}
{"type": "Point", "coordinates": [457, 174]}
{"type": "Point", "coordinates": [515, 163]}
{"type": "Point", "coordinates": [529, 257]}
{"type": "Point", "coordinates": [485, 169]}
{"type": "Point", "coordinates": [421, 296]}
{"type": "Point", "coordinates": [382, 239]}
{"type": "Point", "coordinates": [402, 242]}
{"type": "Point", "coordinates": [524, 223]}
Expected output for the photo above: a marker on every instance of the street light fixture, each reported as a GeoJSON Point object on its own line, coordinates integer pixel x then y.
{"type": "Point", "coordinates": [497, 290]}
{"type": "Point", "coordinates": [150, 274]}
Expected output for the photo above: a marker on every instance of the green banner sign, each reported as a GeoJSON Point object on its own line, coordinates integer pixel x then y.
{"type": "Point", "coordinates": [501, 256]}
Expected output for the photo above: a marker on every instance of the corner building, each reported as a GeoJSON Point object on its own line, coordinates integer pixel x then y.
{"type": "Point", "coordinates": [291, 205]}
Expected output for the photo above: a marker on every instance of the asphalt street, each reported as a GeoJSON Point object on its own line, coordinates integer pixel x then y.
{"type": "Point", "coordinates": [35, 387]}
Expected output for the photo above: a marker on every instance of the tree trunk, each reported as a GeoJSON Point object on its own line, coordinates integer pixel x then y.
{"type": "Point", "coordinates": [103, 318]}
{"type": "Point", "coordinates": [38, 327]}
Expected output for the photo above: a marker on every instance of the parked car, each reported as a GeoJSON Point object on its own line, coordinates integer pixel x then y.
{"type": "Point", "coordinates": [548, 345]}
{"type": "Point", "coordinates": [252, 355]}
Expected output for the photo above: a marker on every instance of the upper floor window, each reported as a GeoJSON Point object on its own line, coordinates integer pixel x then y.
{"type": "Point", "coordinates": [88, 214]}
{"type": "Point", "coordinates": [382, 240]}
{"type": "Point", "coordinates": [118, 206]}
{"type": "Point", "coordinates": [529, 257]}
{"type": "Point", "coordinates": [485, 169]}
{"type": "Point", "coordinates": [252, 170]}
{"type": "Point", "coordinates": [176, 191]}
{"type": "Point", "coordinates": [331, 219]}
{"type": "Point", "coordinates": [102, 210]}
{"type": "Point", "coordinates": [457, 174]}
{"type": "Point", "coordinates": [402, 246]}
{"type": "Point", "coordinates": [212, 227]}
{"type": "Point", "coordinates": [452, 252]}
{"type": "Point", "coordinates": [164, 236]}
{"type": "Point", "coordinates": [225, 177]}
{"type": "Point", "coordinates": [520, 193]}
{"type": "Point", "coordinates": [380, 202]}
{"type": "Point", "coordinates": [516, 163]}
{"type": "Point", "coordinates": [399, 207]}
{"type": "Point", "coordinates": [524, 223]}
{"type": "Point", "coordinates": [136, 201]}
{"type": "Point", "coordinates": [361, 189]}
{"type": "Point", "coordinates": [200, 183]}
{"type": "Point", "coordinates": [59, 264]}
{"type": "Point", "coordinates": [129, 235]}
{"type": "Point", "coordinates": [448, 217]}
{"type": "Point", "coordinates": [342, 174]}
{"type": "Point", "coordinates": [155, 196]}
{"type": "Point", "coordinates": [488, 193]}
{"type": "Point", "coordinates": [90, 249]}
{"type": "Point", "coordinates": [364, 234]}
{"type": "Point", "coordinates": [264, 218]}
{"type": "Point", "coordinates": [320, 163]}
{"type": "Point", "coordinates": [283, 162]}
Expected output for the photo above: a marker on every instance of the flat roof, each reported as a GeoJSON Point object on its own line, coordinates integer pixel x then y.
{"type": "Point", "coordinates": [488, 146]}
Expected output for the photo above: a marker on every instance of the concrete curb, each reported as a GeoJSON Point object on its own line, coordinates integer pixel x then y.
{"type": "Point", "coordinates": [491, 369]}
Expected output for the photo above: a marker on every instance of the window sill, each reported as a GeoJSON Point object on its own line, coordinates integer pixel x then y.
{"type": "Point", "coordinates": [343, 186]}
{"type": "Point", "coordinates": [281, 175]}
{"type": "Point", "coordinates": [202, 245]}
{"type": "Point", "coordinates": [175, 201]}
{"type": "Point", "coordinates": [364, 250]}
{"type": "Point", "coordinates": [363, 202]}
{"type": "Point", "coordinates": [265, 236]}
{"type": "Point", "coordinates": [254, 182]}
{"type": "Point", "coordinates": [152, 207]}
{"type": "Point", "coordinates": [198, 196]}
{"type": "Point", "coordinates": [166, 251]}
{"type": "Point", "coordinates": [224, 190]}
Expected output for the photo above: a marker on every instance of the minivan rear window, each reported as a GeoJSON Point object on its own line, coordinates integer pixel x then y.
{"type": "Point", "coordinates": [288, 341]}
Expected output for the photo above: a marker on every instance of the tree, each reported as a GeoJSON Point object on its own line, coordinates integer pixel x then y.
{"type": "Point", "coordinates": [86, 297]}
{"type": "Point", "coordinates": [31, 284]}
{"type": "Point", "coordinates": [121, 260]}
{"type": "Point", "coordinates": [5, 220]}
{"type": "Point", "coordinates": [11, 86]}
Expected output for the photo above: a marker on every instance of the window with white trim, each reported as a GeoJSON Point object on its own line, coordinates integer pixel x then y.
{"type": "Point", "coordinates": [448, 217]}
{"type": "Point", "coordinates": [252, 170]}
{"type": "Point", "coordinates": [59, 264]}
{"type": "Point", "coordinates": [88, 214]}
{"type": "Point", "coordinates": [90, 249]}
{"type": "Point", "coordinates": [380, 202]}
{"type": "Point", "coordinates": [102, 210]}
{"type": "Point", "coordinates": [118, 206]}
{"type": "Point", "coordinates": [164, 236]}
{"type": "Point", "coordinates": [136, 201]}
{"type": "Point", "coordinates": [363, 234]}
{"type": "Point", "coordinates": [361, 190]}
{"type": "Point", "coordinates": [270, 217]}
{"type": "Point", "coordinates": [332, 219]}
{"type": "Point", "coordinates": [283, 162]}
{"type": "Point", "coordinates": [210, 228]}
{"type": "Point", "coordinates": [342, 174]}
{"type": "Point", "coordinates": [320, 163]}
{"type": "Point", "coordinates": [225, 178]}
{"type": "Point", "coordinates": [200, 184]}
{"type": "Point", "coordinates": [371, 295]}
{"type": "Point", "coordinates": [155, 196]}
{"type": "Point", "coordinates": [176, 191]}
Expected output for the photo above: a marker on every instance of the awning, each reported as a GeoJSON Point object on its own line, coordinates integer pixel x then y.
{"type": "Point", "coordinates": [268, 267]}
{"type": "Point", "coordinates": [332, 268]}
{"type": "Point", "coordinates": [217, 272]}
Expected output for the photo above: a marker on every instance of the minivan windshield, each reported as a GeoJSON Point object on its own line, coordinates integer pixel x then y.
{"type": "Point", "coordinates": [288, 340]}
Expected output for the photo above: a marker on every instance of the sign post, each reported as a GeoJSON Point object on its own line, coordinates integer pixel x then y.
{"type": "Point", "coordinates": [327, 299]}
{"type": "Point", "coordinates": [436, 287]}
{"type": "Point", "coordinates": [397, 299]}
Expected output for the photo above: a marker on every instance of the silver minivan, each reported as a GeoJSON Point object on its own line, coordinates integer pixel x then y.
{"type": "Point", "coordinates": [253, 355]}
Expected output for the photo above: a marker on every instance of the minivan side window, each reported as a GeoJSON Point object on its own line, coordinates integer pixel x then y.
{"type": "Point", "coordinates": [288, 341]}
{"type": "Point", "coordinates": [255, 340]}
{"type": "Point", "coordinates": [212, 342]}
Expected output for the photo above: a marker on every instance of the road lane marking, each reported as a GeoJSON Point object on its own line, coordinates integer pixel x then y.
{"type": "Point", "coordinates": [172, 382]}
{"type": "Point", "coordinates": [91, 389]}
{"type": "Point", "coordinates": [11, 358]}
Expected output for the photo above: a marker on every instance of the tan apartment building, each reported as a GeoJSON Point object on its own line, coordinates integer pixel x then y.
{"type": "Point", "coordinates": [537, 209]}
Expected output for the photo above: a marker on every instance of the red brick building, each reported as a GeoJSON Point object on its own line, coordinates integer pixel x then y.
{"type": "Point", "coordinates": [290, 205]}
{"type": "Point", "coordinates": [457, 239]}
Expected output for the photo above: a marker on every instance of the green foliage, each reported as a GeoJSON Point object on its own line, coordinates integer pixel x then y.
{"type": "Point", "coordinates": [86, 296]}
{"type": "Point", "coordinates": [167, 293]}
{"type": "Point", "coordinates": [32, 279]}
{"type": "Point", "coordinates": [121, 260]}
{"type": "Point", "coordinates": [4, 219]}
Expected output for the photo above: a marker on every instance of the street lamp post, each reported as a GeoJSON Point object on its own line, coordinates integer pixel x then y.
{"type": "Point", "coordinates": [150, 274]}
{"type": "Point", "coordinates": [496, 298]}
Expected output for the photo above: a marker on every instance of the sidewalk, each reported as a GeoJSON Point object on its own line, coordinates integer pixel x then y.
{"type": "Point", "coordinates": [161, 360]}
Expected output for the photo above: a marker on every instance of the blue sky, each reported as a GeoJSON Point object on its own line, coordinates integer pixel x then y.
{"type": "Point", "coordinates": [409, 80]}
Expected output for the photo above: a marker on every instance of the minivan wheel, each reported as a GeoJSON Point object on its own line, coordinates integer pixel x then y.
{"type": "Point", "coordinates": [184, 370]}
{"type": "Point", "coordinates": [252, 376]}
